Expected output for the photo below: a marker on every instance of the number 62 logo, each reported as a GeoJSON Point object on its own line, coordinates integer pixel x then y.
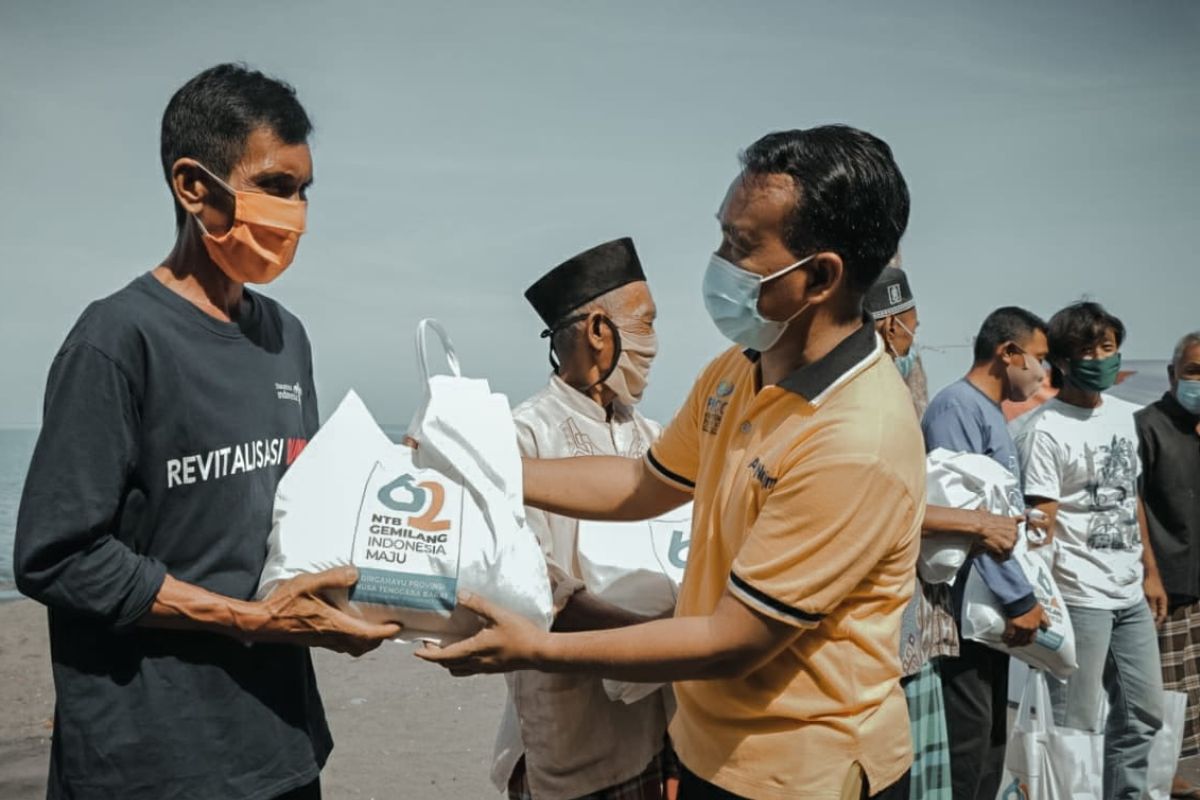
{"type": "Point", "coordinates": [427, 495]}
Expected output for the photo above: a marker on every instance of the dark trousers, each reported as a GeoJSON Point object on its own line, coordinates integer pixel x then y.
{"type": "Point", "coordinates": [975, 691]}
{"type": "Point", "coordinates": [692, 787]}
{"type": "Point", "coordinates": [310, 792]}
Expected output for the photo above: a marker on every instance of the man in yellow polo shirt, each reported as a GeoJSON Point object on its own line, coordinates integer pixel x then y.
{"type": "Point", "coordinates": [803, 454]}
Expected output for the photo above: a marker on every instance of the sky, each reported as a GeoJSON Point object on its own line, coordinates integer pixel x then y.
{"type": "Point", "coordinates": [461, 150]}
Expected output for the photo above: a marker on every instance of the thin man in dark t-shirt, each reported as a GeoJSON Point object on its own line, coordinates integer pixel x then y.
{"type": "Point", "coordinates": [171, 411]}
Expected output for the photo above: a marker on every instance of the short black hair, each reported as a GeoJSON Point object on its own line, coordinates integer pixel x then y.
{"type": "Point", "coordinates": [211, 116]}
{"type": "Point", "coordinates": [850, 195]}
{"type": "Point", "coordinates": [1007, 324]}
{"type": "Point", "coordinates": [1078, 326]}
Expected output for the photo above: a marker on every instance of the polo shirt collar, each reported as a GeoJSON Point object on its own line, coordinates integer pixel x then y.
{"type": "Point", "coordinates": [813, 381]}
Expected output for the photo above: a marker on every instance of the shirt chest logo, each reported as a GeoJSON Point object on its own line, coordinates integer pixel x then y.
{"type": "Point", "coordinates": [293, 393]}
{"type": "Point", "coordinates": [714, 407]}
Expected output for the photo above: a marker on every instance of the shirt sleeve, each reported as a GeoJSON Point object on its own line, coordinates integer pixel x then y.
{"type": "Point", "coordinates": [675, 457]}
{"type": "Point", "coordinates": [66, 555]}
{"type": "Point", "coordinates": [953, 426]}
{"type": "Point", "coordinates": [1041, 464]}
{"type": "Point", "coordinates": [813, 544]}
{"type": "Point", "coordinates": [1007, 581]}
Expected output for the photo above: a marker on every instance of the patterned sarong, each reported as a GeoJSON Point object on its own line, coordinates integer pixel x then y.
{"type": "Point", "coordinates": [1179, 643]}
{"type": "Point", "coordinates": [931, 743]}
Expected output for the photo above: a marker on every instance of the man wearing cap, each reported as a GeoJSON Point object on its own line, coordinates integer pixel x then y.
{"type": "Point", "coordinates": [561, 737]}
{"type": "Point", "coordinates": [890, 303]}
{"type": "Point", "coordinates": [928, 631]}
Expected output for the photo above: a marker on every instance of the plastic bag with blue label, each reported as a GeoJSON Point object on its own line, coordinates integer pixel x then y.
{"type": "Point", "coordinates": [637, 566]}
{"type": "Point", "coordinates": [419, 525]}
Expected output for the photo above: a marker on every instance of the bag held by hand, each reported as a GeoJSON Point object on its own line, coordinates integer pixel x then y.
{"type": "Point", "coordinates": [420, 525]}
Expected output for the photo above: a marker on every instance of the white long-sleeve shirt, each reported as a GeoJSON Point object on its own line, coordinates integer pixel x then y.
{"type": "Point", "coordinates": [575, 740]}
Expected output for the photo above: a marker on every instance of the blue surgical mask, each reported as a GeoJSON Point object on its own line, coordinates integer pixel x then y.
{"type": "Point", "coordinates": [1188, 395]}
{"type": "Point", "coordinates": [731, 297]}
{"type": "Point", "coordinates": [905, 362]}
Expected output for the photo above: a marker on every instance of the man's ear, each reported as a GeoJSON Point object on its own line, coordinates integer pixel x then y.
{"type": "Point", "coordinates": [1006, 352]}
{"type": "Point", "coordinates": [188, 185]}
{"type": "Point", "coordinates": [193, 190]}
{"type": "Point", "coordinates": [597, 330]}
{"type": "Point", "coordinates": [826, 274]}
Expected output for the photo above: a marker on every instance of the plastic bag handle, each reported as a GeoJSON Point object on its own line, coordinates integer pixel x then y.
{"type": "Point", "coordinates": [423, 327]}
{"type": "Point", "coordinates": [1036, 696]}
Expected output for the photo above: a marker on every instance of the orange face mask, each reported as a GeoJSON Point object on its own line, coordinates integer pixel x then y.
{"type": "Point", "coordinates": [261, 242]}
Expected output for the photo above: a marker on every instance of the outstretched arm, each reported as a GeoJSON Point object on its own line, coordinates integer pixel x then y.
{"type": "Point", "coordinates": [599, 487]}
{"type": "Point", "coordinates": [733, 641]}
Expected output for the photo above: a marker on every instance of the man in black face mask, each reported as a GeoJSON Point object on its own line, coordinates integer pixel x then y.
{"type": "Point", "coordinates": [562, 737]}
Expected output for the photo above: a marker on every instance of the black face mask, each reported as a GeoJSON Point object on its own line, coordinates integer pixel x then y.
{"type": "Point", "coordinates": [568, 322]}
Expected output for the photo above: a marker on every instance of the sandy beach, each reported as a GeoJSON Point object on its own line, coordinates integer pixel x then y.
{"type": "Point", "coordinates": [374, 705]}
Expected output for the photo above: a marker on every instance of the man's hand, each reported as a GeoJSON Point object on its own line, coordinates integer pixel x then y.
{"type": "Point", "coordinates": [507, 642]}
{"type": "Point", "coordinates": [998, 534]}
{"type": "Point", "coordinates": [1022, 630]}
{"type": "Point", "coordinates": [1156, 596]}
{"type": "Point", "coordinates": [299, 612]}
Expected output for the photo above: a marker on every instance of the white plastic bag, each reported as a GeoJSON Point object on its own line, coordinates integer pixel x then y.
{"type": "Point", "coordinates": [419, 525]}
{"type": "Point", "coordinates": [1046, 762]}
{"type": "Point", "coordinates": [637, 566]}
{"type": "Point", "coordinates": [969, 480]}
{"type": "Point", "coordinates": [1164, 751]}
{"type": "Point", "coordinates": [956, 480]}
{"type": "Point", "coordinates": [983, 617]}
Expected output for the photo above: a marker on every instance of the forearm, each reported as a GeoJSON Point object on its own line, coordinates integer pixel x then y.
{"type": "Point", "coordinates": [941, 519]}
{"type": "Point", "coordinates": [1149, 561]}
{"type": "Point", "coordinates": [586, 612]}
{"type": "Point", "coordinates": [185, 606]}
{"type": "Point", "coordinates": [597, 487]}
{"type": "Point", "coordinates": [679, 649]}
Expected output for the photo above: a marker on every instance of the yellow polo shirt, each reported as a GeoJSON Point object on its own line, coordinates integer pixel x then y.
{"type": "Point", "coordinates": [809, 497]}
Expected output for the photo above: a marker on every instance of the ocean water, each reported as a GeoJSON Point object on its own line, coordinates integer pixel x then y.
{"type": "Point", "coordinates": [16, 447]}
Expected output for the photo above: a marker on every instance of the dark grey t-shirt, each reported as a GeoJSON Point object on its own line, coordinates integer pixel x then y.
{"type": "Point", "coordinates": [164, 434]}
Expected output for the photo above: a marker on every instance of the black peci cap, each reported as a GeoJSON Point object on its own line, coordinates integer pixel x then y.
{"type": "Point", "coordinates": [580, 280]}
{"type": "Point", "coordinates": [889, 295]}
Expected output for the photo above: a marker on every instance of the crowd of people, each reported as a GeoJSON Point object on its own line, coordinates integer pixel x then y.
{"type": "Point", "coordinates": [805, 657]}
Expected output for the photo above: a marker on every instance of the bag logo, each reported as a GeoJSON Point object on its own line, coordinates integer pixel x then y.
{"type": "Point", "coordinates": [1015, 791]}
{"type": "Point", "coordinates": [417, 496]}
{"type": "Point", "coordinates": [677, 551]}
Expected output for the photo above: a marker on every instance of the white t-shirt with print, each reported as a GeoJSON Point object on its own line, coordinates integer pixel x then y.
{"type": "Point", "coordinates": [1087, 460]}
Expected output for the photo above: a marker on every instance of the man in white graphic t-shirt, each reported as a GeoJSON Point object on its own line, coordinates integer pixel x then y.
{"type": "Point", "coordinates": [1080, 466]}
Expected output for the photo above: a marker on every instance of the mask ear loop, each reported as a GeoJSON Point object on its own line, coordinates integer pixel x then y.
{"type": "Point", "coordinates": [568, 322]}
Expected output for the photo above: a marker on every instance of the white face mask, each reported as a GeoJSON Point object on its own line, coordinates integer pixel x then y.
{"type": "Point", "coordinates": [731, 297]}
{"type": "Point", "coordinates": [629, 378]}
{"type": "Point", "coordinates": [1024, 382]}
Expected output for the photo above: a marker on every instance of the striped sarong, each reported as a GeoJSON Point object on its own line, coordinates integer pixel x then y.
{"type": "Point", "coordinates": [931, 743]}
{"type": "Point", "coordinates": [1179, 643]}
